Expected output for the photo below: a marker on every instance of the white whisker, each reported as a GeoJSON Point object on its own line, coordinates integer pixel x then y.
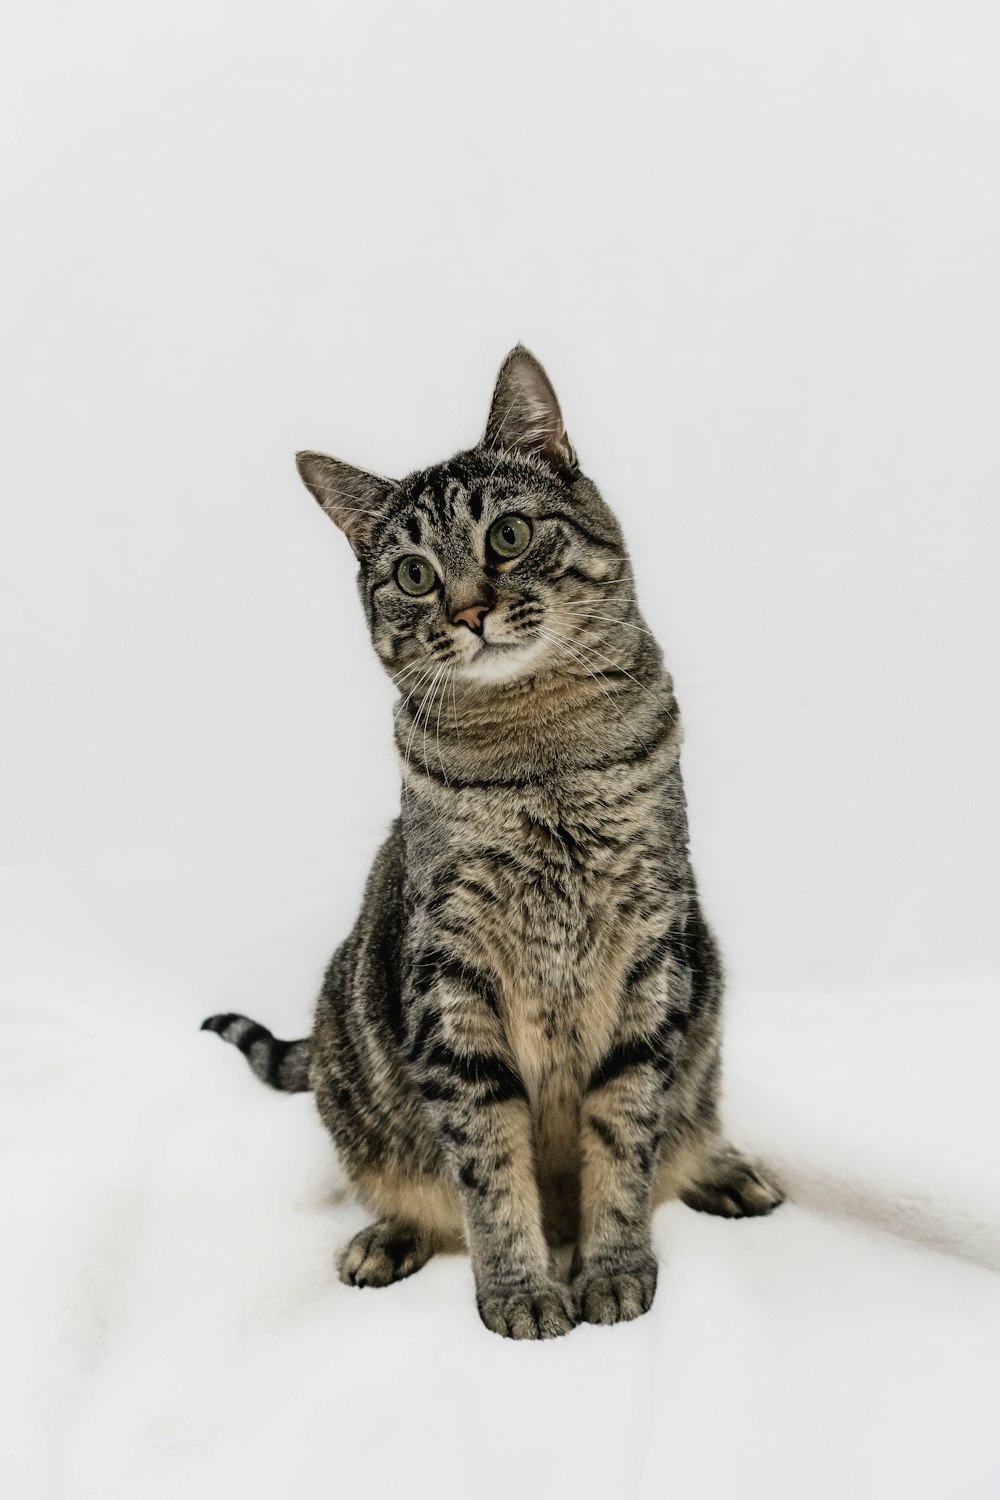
{"type": "Point", "coordinates": [586, 642]}
{"type": "Point", "coordinates": [562, 645]}
{"type": "Point", "coordinates": [428, 667]}
{"type": "Point", "coordinates": [580, 614]}
{"type": "Point", "coordinates": [444, 692]}
{"type": "Point", "coordinates": [427, 716]}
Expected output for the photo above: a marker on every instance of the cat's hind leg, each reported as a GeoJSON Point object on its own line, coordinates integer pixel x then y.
{"type": "Point", "coordinates": [725, 1183]}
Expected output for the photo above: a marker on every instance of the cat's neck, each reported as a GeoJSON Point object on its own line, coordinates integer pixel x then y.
{"type": "Point", "coordinates": [536, 728]}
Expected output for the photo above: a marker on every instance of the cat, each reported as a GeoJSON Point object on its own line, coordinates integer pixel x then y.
{"type": "Point", "coordinates": [518, 1046]}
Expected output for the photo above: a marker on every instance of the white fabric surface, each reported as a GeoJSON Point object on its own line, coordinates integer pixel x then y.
{"type": "Point", "coordinates": [173, 1325]}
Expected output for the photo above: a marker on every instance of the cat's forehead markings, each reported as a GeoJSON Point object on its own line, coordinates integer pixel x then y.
{"type": "Point", "coordinates": [454, 493]}
{"type": "Point", "coordinates": [441, 495]}
{"type": "Point", "coordinates": [440, 506]}
{"type": "Point", "coordinates": [422, 510]}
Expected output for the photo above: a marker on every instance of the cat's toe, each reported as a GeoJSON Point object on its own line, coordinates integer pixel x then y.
{"type": "Point", "coordinates": [542, 1312]}
{"type": "Point", "coordinates": [381, 1254]}
{"type": "Point", "coordinates": [616, 1292]}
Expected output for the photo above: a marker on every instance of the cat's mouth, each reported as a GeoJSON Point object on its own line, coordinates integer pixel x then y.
{"type": "Point", "coordinates": [495, 660]}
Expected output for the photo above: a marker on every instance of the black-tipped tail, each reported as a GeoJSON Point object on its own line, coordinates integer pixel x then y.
{"type": "Point", "coordinates": [284, 1065]}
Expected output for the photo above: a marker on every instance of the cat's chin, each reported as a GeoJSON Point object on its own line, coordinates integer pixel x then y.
{"type": "Point", "coordinates": [499, 662]}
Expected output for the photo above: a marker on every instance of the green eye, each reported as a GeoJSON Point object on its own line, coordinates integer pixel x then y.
{"type": "Point", "coordinates": [415, 575]}
{"type": "Point", "coordinates": [510, 535]}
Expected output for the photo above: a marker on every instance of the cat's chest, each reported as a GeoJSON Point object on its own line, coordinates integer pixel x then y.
{"type": "Point", "coordinates": [549, 867]}
{"type": "Point", "coordinates": [557, 893]}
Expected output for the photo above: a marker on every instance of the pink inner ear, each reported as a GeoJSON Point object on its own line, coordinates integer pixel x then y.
{"type": "Point", "coordinates": [525, 413]}
{"type": "Point", "coordinates": [351, 497]}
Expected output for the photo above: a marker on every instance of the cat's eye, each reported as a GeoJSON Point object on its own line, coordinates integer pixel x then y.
{"type": "Point", "coordinates": [509, 536]}
{"type": "Point", "coordinates": [415, 575]}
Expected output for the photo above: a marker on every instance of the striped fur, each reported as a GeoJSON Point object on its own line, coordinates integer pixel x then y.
{"type": "Point", "coordinates": [518, 1046]}
{"type": "Point", "coordinates": [284, 1065]}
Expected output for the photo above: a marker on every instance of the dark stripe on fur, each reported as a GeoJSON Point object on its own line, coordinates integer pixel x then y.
{"type": "Point", "coordinates": [491, 1073]}
{"type": "Point", "coordinates": [637, 1052]}
{"type": "Point", "coordinates": [283, 1065]}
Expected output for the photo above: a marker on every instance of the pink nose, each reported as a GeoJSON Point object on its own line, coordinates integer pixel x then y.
{"type": "Point", "coordinates": [473, 616]}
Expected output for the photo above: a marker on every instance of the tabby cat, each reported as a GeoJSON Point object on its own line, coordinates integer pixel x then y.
{"type": "Point", "coordinates": [517, 1048]}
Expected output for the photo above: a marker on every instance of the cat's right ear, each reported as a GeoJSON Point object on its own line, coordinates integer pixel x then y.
{"type": "Point", "coordinates": [352, 498]}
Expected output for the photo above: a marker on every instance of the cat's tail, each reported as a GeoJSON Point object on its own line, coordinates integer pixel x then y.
{"type": "Point", "coordinates": [284, 1065]}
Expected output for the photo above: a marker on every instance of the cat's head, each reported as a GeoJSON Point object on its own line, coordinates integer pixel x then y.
{"type": "Point", "coordinates": [491, 563]}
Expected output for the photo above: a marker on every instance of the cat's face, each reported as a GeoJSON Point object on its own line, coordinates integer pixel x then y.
{"type": "Point", "coordinates": [490, 565]}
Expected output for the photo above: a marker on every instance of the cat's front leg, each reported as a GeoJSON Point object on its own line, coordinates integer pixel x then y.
{"type": "Point", "coordinates": [469, 1078]}
{"type": "Point", "coordinates": [621, 1126]}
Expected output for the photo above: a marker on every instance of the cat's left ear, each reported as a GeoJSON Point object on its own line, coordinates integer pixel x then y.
{"type": "Point", "coordinates": [352, 498]}
{"type": "Point", "coordinates": [525, 415]}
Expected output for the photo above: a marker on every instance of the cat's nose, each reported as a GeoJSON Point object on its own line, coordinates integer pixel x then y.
{"type": "Point", "coordinates": [473, 616]}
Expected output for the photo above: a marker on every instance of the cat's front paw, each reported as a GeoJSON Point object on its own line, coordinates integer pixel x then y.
{"type": "Point", "coordinates": [615, 1289]}
{"type": "Point", "coordinates": [542, 1310]}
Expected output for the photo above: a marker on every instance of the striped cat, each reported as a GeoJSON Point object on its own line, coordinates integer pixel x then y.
{"type": "Point", "coordinates": [517, 1047]}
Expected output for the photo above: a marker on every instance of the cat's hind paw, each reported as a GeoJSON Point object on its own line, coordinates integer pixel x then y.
{"type": "Point", "coordinates": [732, 1188]}
{"type": "Point", "coordinates": [382, 1253]}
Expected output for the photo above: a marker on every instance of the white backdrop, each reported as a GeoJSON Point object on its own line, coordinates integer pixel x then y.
{"type": "Point", "coordinates": [756, 247]}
